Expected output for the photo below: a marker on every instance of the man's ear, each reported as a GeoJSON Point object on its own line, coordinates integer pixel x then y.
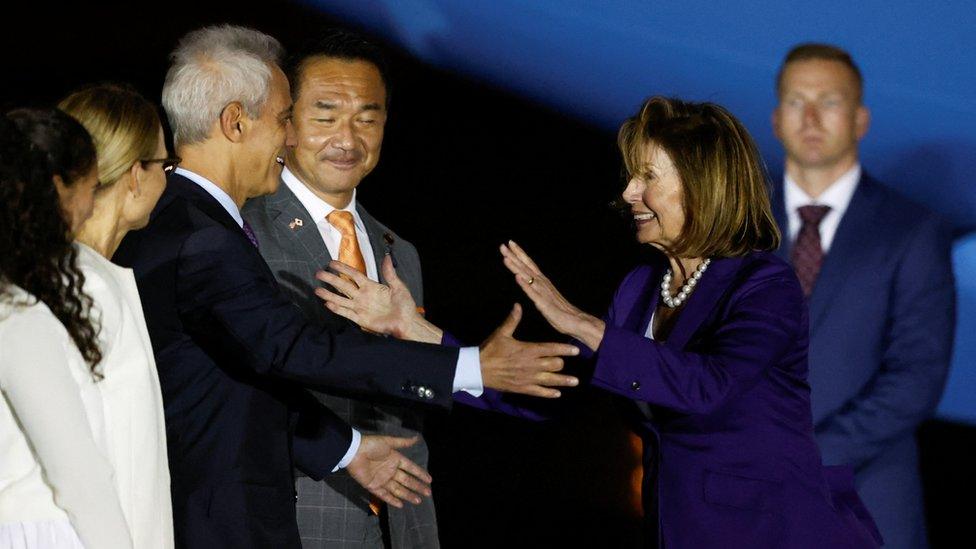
{"type": "Point", "coordinates": [232, 122]}
{"type": "Point", "coordinates": [862, 121]}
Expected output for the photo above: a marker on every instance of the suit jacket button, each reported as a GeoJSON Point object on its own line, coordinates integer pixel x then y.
{"type": "Point", "coordinates": [428, 394]}
{"type": "Point", "coordinates": [635, 385]}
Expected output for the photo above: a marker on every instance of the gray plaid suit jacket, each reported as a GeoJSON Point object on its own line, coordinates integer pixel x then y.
{"type": "Point", "coordinates": [334, 513]}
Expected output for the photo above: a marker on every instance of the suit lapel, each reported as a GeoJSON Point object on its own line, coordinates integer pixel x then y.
{"type": "Point", "coordinates": [647, 301]}
{"type": "Point", "coordinates": [842, 258]}
{"type": "Point", "coordinates": [294, 220]}
{"type": "Point", "coordinates": [181, 186]}
{"type": "Point", "coordinates": [778, 202]}
{"type": "Point", "coordinates": [702, 301]}
{"type": "Point", "coordinates": [377, 242]}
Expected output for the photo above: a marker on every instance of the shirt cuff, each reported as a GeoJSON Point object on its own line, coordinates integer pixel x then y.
{"type": "Point", "coordinates": [351, 452]}
{"type": "Point", "coordinates": [467, 376]}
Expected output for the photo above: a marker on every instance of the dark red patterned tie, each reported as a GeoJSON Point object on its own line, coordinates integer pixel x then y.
{"type": "Point", "coordinates": [807, 253]}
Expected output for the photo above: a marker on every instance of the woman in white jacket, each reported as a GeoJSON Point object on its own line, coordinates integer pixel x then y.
{"type": "Point", "coordinates": [56, 485]}
{"type": "Point", "coordinates": [132, 158]}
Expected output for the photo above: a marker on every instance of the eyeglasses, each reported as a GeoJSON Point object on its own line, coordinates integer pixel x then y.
{"type": "Point", "coordinates": [169, 163]}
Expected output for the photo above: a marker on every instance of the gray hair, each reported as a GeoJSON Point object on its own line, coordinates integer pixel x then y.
{"type": "Point", "coordinates": [212, 67]}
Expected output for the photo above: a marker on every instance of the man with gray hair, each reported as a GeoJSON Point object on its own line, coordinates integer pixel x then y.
{"type": "Point", "coordinates": [233, 353]}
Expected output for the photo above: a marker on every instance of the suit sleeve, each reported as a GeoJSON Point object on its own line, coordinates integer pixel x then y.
{"type": "Point", "coordinates": [497, 401]}
{"type": "Point", "coordinates": [917, 351]}
{"type": "Point", "coordinates": [228, 298]}
{"type": "Point", "coordinates": [531, 408]}
{"type": "Point", "coordinates": [44, 397]}
{"type": "Point", "coordinates": [320, 439]}
{"type": "Point", "coordinates": [762, 326]}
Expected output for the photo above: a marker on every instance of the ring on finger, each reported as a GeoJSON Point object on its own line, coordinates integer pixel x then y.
{"type": "Point", "coordinates": [531, 280]}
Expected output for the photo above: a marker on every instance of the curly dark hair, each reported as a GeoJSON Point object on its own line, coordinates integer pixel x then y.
{"type": "Point", "coordinates": [36, 251]}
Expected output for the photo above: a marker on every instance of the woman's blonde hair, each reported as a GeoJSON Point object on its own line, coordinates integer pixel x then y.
{"type": "Point", "coordinates": [123, 124]}
{"type": "Point", "coordinates": [725, 187]}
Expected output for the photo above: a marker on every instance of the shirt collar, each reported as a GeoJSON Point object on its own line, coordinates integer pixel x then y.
{"type": "Point", "coordinates": [837, 196]}
{"type": "Point", "coordinates": [316, 207]}
{"type": "Point", "coordinates": [213, 190]}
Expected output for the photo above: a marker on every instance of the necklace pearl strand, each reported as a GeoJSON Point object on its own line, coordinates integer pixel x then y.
{"type": "Point", "coordinates": [686, 289]}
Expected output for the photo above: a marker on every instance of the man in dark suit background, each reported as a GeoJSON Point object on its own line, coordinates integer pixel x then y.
{"type": "Point", "coordinates": [231, 349]}
{"type": "Point", "coordinates": [340, 97]}
{"type": "Point", "coordinates": [876, 270]}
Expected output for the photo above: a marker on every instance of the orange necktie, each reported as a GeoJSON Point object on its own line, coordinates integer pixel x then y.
{"type": "Point", "coordinates": [349, 252]}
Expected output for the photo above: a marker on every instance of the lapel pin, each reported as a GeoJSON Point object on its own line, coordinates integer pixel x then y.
{"type": "Point", "coordinates": [388, 239]}
{"type": "Point", "coordinates": [295, 223]}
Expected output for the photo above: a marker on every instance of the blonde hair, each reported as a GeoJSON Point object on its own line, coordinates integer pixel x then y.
{"type": "Point", "coordinates": [122, 123]}
{"type": "Point", "coordinates": [725, 187]}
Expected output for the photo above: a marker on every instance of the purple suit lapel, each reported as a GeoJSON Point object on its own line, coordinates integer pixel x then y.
{"type": "Point", "coordinates": [640, 300]}
{"type": "Point", "coordinates": [702, 301]}
{"type": "Point", "coordinates": [646, 301]}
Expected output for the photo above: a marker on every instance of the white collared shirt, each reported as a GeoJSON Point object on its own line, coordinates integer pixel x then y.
{"type": "Point", "coordinates": [320, 209]}
{"type": "Point", "coordinates": [219, 194]}
{"type": "Point", "coordinates": [838, 196]}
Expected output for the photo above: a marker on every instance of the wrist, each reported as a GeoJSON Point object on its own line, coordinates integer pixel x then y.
{"type": "Point", "coordinates": [421, 330]}
{"type": "Point", "coordinates": [589, 330]}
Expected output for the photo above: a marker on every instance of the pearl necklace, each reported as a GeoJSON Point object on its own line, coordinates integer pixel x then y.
{"type": "Point", "coordinates": [688, 287]}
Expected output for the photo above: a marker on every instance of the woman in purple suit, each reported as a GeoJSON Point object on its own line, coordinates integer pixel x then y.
{"type": "Point", "coordinates": [709, 345]}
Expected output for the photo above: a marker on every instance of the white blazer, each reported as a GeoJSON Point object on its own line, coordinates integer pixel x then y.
{"type": "Point", "coordinates": [56, 484]}
{"type": "Point", "coordinates": [134, 424]}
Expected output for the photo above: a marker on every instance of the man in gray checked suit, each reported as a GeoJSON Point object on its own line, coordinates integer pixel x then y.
{"type": "Point", "coordinates": [340, 98]}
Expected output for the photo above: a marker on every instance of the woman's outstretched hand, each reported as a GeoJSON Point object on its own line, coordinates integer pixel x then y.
{"type": "Point", "coordinates": [388, 310]}
{"type": "Point", "coordinates": [565, 317]}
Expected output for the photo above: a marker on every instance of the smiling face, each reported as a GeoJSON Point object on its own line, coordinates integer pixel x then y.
{"type": "Point", "coordinates": [655, 195]}
{"type": "Point", "coordinates": [820, 118]}
{"type": "Point", "coordinates": [339, 116]}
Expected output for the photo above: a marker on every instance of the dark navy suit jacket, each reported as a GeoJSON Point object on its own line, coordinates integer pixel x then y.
{"type": "Point", "coordinates": [232, 350]}
{"type": "Point", "coordinates": [882, 319]}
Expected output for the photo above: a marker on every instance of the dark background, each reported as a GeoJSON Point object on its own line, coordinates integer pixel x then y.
{"type": "Point", "coordinates": [464, 168]}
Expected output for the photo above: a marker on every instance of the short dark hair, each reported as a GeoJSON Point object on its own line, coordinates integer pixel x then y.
{"type": "Point", "coordinates": [822, 52]}
{"type": "Point", "coordinates": [338, 44]}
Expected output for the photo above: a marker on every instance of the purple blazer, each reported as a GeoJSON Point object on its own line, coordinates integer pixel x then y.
{"type": "Point", "coordinates": [723, 407]}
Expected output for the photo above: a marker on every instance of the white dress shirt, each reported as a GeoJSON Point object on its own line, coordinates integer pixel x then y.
{"type": "Point", "coordinates": [56, 484]}
{"type": "Point", "coordinates": [320, 209]}
{"type": "Point", "coordinates": [838, 196]}
{"type": "Point", "coordinates": [467, 374]}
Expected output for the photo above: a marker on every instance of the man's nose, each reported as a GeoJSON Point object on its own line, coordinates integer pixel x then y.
{"type": "Point", "coordinates": [345, 136]}
{"type": "Point", "coordinates": [811, 115]}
